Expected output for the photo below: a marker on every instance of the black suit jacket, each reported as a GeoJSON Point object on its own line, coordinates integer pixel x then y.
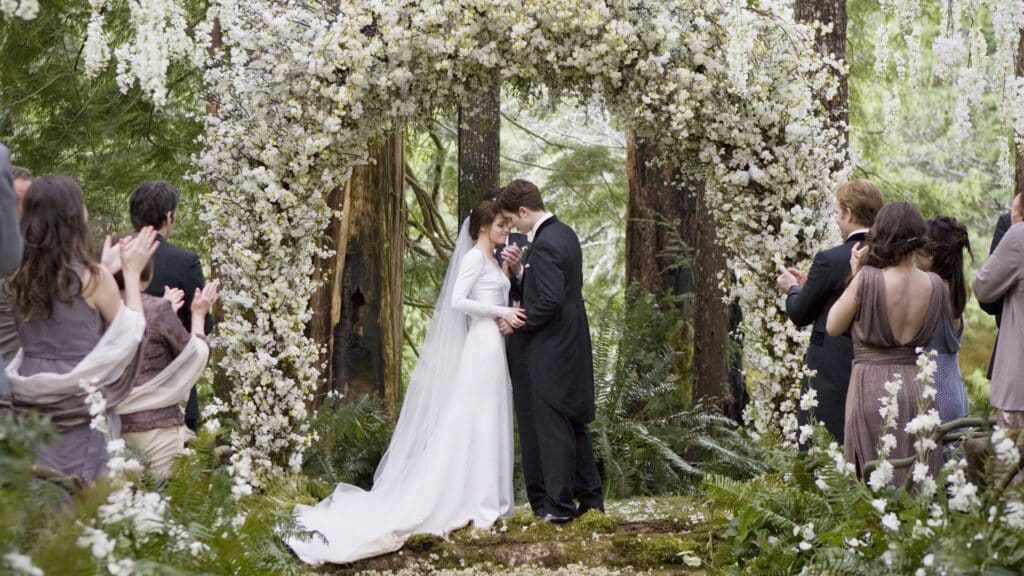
{"type": "Point", "coordinates": [559, 353]}
{"type": "Point", "coordinates": [178, 268]}
{"type": "Point", "coordinates": [996, 308]}
{"type": "Point", "coordinates": [831, 357]}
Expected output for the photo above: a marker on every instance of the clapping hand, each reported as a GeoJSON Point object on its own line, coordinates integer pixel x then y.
{"type": "Point", "coordinates": [785, 280]}
{"type": "Point", "coordinates": [135, 253]}
{"type": "Point", "coordinates": [205, 298]}
{"type": "Point", "coordinates": [111, 257]}
{"type": "Point", "coordinates": [176, 296]}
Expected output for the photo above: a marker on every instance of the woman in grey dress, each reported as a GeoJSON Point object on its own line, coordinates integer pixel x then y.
{"type": "Point", "coordinates": [893, 308]}
{"type": "Point", "coordinates": [944, 255]}
{"type": "Point", "coordinates": [63, 301]}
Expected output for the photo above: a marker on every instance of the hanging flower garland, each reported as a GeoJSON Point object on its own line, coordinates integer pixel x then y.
{"type": "Point", "coordinates": [300, 88]}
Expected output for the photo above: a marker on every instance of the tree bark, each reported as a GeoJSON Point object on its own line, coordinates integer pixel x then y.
{"type": "Point", "coordinates": [833, 42]}
{"type": "Point", "coordinates": [479, 145]}
{"type": "Point", "coordinates": [671, 251]}
{"type": "Point", "coordinates": [1019, 157]}
{"type": "Point", "coordinates": [364, 333]}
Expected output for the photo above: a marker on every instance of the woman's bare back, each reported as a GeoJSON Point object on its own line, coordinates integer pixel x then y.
{"type": "Point", "coordinates": [908, 293]}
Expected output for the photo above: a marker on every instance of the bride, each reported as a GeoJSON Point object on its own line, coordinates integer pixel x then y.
{"type": "Point", "coordinates": [450, 458]}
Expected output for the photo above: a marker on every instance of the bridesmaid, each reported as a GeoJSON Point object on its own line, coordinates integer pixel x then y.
{"type": "Point", "coordinates": [63, 302]}
{"type": "Point", "coordinates": [894, 308]}
{"type": "Point", "coordinates": [944, 255]}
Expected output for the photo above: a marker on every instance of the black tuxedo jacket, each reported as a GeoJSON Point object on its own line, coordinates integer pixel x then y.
{"type": "Point", "coordinates": [831, 357]}
{"type": "Point", "coordinates": [558, 347]}
{"type": "Point", "coordinates": [178, 268]}
{"type": "Point", "coordinates": [996, 308]}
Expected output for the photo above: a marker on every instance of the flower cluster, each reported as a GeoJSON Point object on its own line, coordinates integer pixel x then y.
{"type": "Point", "coordinates": [962, 55]}
{"type": "Point", "coordinates": [729, 95]}
{"type": "Point", "coordinates": [24, 9]}
{"type": "Point", "coordinates": [299, 89]}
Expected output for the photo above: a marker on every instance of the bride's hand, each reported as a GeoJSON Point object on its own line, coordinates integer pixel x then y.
{"type": "Point", "coordinates": [515, 317]}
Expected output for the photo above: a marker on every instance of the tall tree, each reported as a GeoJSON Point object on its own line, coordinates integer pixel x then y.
{"type": "Point", "coordinates": [671, 250]}
{"type": "Point", "coordinates": [479, 144]}
{"type": "Point", "coordinates": [358, 313]}
{"type": "Point", "coordinates": [830, 41]}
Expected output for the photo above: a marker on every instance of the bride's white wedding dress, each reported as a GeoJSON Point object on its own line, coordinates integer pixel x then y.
{"type": "Point", "coordinates": [450, 459]}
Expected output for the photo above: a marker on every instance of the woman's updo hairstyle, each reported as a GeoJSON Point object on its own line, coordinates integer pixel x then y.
{"type": "Point", "coordinates": [947, 240]}
{"type": "Point", "coordinates": [899, 230]}
{"type": "Point", "coordinates": [483, 214]}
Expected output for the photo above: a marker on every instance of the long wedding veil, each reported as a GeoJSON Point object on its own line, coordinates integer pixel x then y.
{"type": "Point", "coordinates": [431, 386]}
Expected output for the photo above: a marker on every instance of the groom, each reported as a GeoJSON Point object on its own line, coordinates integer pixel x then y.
{"type": "Point", "coordinates": [555, 404]}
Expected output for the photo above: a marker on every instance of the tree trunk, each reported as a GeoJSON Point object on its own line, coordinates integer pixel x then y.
{"type": "Point", "coordinates": [479, 145]}
{"type": "Point", "coordinates": [833, 42]}
{"type": "Point", "coordinates": [672, 250]}
{"type": "Point", "coordinates": [1019, 161]}
{"type": "Point", "coordinates": [365, 299]}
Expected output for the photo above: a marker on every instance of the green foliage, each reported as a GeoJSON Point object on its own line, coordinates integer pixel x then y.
{"type": "Point", "coordinates": [646, 439]}
{"type": "Point", "coordinates": [804, 517]}
{"type": "Point", "coordinates": [55, 120]}
{"type": "Point", "coordinates": [350, 441]}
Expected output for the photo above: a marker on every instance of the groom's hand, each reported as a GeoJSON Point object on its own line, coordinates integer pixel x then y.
{"type": "Point", "coordinates": [504, 327]}
{"type": "Point", "coordinates": [513, 256]}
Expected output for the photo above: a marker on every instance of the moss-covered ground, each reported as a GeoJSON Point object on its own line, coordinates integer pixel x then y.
{"type": "Point", "coordinates": [658, 536]}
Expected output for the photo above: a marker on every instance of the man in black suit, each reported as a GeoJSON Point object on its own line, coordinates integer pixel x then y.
{"type": "Point", "coordinates": [154, 204]}
{"type": "Point", "coordinates": [810, 297]}
{"type": "Point", "coordinates": [519, 373]}
{"type": "Point", "coordinates": [996, 308]}
{"type": "Point", "coordinates": [559, 359]}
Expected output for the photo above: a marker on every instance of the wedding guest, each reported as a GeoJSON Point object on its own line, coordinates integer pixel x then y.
{"type": "Point", "coordinates": [1000, 278]}
{"type": "Point", "coordinates": [10, 250]}
{"type": "Point", "coordinates": [8, 332]}
{"type": "Point", "coordinates": [172, 359]}
{"type": "Point", "coordinates": [996, 308]}
{"type": "Point", "coordinates": [811, 296]}
{"type": "Point", "coordinates": [893, 308]}
{"type": "Point", "coordinates": [72, 324]}
{"type": "Point", "coordinates": [155, 204]}
{"type": "Point", "coordinates": [944, 255]}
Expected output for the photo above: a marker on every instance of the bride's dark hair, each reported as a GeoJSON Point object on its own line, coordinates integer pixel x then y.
{"type": "Point", "coordinates": [483, 214]}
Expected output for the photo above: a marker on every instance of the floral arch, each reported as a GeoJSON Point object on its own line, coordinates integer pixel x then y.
{"type": "Point", "coordinates": [729, 93]}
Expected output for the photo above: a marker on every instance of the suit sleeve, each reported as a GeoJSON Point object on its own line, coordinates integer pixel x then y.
{"type": "Point", "coordinates": [10, 233]}
{"type": "Point", "coordinates": [470, 269]}
{"type": "Point", "coordinates": [194, 280]}
{"type": "Point", "coordinates": [804, 305]}
{"type": "Point", "coordinates": [1002, 270]}
{"type": "Point", "coordinates": [546, 286]}
{"type": "Point", "coordinates": [995, 308]}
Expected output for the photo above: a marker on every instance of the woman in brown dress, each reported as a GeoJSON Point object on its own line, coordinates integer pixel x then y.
{"type": "Point", "coordinates": [894, 309]}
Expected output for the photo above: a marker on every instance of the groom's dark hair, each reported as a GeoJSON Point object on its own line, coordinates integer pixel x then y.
{"type": "Point", "coordinates": [520, 194]}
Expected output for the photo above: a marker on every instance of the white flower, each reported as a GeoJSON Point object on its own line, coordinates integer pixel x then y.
{"type": "Point", "coordinates": [891, 522]}
{"type": "Point", "coordinates": [1014, 515]}
{"type": "Point", "coordinates": [97, 541]}
{"type": "Point", "coordinates": [879, 504]}
{"type": "Point", "coordinates": [21, 564]}
{"type": "Point", "coordinates": [881, 476]}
